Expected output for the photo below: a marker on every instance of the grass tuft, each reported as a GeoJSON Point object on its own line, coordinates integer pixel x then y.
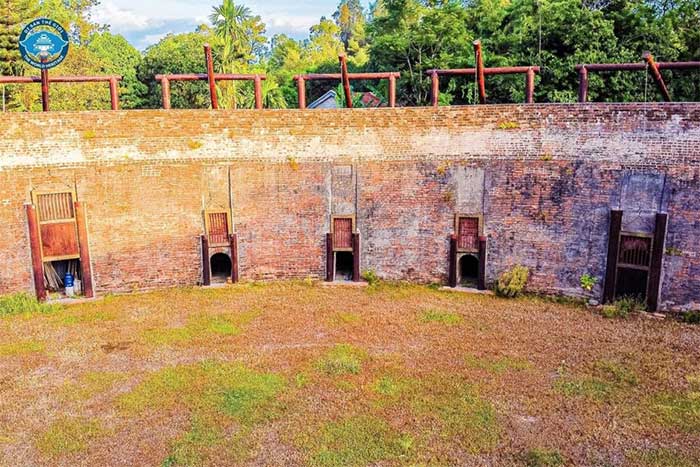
{"type": "Point", "coordinates": [91, 384]}
{"type": "Point", "coordinates": [606, 380]}
{"type": "Point", "coordinates": [14, 349]}
{"type": "Point", "coordinates": [678, 410]}
{"type": "Point", "coordinates": [69, 436]}
{"type": "Point", "coordinates": [447, 318]}
{"type": "Point", "coordinates": [23, 303]}
{"type": "Point", "coordinates": [341, 360]}
{"type": "Point", "coordinates": [498, 366]}
{"type": "Point", "coordinates": [357, 440]}
{"type": "Point", "coordinates": [543, 458]}
{"type": "Point", "coordinates": [199, 328]}
{"type": "Point", "coordinates": [663, 457]}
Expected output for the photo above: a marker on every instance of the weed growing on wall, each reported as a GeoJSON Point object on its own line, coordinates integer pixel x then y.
{"type": "Point", "coordinates": [588, 282]}
{"type": "Point", "coordinates": [512, 283]}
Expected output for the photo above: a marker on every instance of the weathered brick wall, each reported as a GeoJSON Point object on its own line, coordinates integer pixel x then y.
{"type": "Point", "coordinates": [544, 177]}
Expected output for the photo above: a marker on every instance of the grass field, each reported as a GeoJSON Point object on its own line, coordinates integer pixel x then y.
{"type": "Point", "coordinates": [300, 374]}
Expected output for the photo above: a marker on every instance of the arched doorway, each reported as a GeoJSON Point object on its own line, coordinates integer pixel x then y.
{"type": "Point", "coordinates": [469, 271]}
{"type": "Point", "coordinates": [221, 267]}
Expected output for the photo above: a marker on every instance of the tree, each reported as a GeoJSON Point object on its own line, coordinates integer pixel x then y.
{"type": "Point", "coordinates": [177, 53]}
{"type": "Point", "coordinates": [13, 15]}
{"type": "Point", "coordinates": [350, 18]}
{"type": "Point", "coordinates": [117, 56]}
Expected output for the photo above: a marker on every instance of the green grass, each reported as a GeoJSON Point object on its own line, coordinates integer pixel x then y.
{"type": "Point", "coordinates": [200, 328]}
{"type": "Point", "coordinates": [355, 440]}
{"type": "Point", "coordinates": [341, 360]}
{"type": "Point", "coordinates": [608, 379]}
{"type": "Point", "coordinates": [69, 436]}
{"type": "Point", "coordinates": [678, 410]}
{"type": "Point", "coordinates": [14, 349]}
{"type": "Point", "coordinates": [345, 318]}
{"type": "Point", "coordinates": [23, 303]}
{"type": "Point", "coordinates": [91, 385]}
{"type": "Point", "coordinates": [89, 317]}
{"type": "Point", "coordinates": [497, 366]}
{"type": "Point", "coordinates": [218, 396]}
{"type": "Point", "coordinates": [543, 458]}
{"type": "Point", "coordinates": [447, 318]}
{"type": "Point", "coordinates": [663, 458]}
{"type": "Point", "coordinates": [455, 411]}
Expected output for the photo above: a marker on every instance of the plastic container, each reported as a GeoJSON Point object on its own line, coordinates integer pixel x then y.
{"type": "Point", "coordinates": [68, 282]}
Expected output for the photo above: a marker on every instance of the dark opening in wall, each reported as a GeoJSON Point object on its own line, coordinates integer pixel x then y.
{"type": "Point", "coordinates": [221, 267]}
{"type": "Point", "coordinates": [469, 270]}
{"type": "Point", "coordinates": [55, 274]}
{"type": "Point", "coordinates": [632, 283]}
{"type": "Point", "coordinates": [343, 266]}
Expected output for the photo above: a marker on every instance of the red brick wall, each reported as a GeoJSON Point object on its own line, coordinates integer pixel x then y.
{"type": "Point", "coordinates": [551, 175]}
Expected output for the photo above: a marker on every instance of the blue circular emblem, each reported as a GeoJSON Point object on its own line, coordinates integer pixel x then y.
{"type": "Point", "coordinates": [43, 43]}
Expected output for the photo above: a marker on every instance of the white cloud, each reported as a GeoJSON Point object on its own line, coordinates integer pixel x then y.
{"type": "Point", "coordinates": [121, 19]}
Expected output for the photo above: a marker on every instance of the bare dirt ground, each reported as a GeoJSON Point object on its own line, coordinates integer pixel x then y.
{"type": "Point", "coordinates": [299, 374]}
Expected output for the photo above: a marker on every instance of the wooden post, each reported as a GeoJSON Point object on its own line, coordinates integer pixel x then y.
{"type": "Point", "coordinates": [392, 91]}
{"type": "Point", "coordinates": [258, 92]}
{"type": "Point", "coordinates": [210, 77]}
{"type": "Point", "coordinates": [114, 92]}
{"type": "Point", "coordinates": [530, 86]}
{"type": "Point", "coordinates": [165, 85]}
{"type": "Point", "coordinates": [44, 87]}
{"type": "Point", "coordinates": [35, 247]}
{"type": "Point", "coordinates": [330, 263]}
{"type": "Point", "coordinates": [481, 281]}
{"type": "Point", "coordinates": [656, 74]}
{"type": "Point", "coordinates": [85, 267]}
{"type": "Point", "coordinates": [613, 253]}
{"type": "Point", "coordinates": [234, 258]}
{"type": "Point", "coordinates": [301, 92]}
{"type": "Point", "coordinates": [435, 88]}
{"type": "Point", "coordinates": [657, 258]}
{"type": "Point", "coordinates": [346, 80]}
{"type": "Point", "coordinates": [453, 262]}
{"type": "Point", "coordinates": [356, 257]}
{"type": "Point", "coordinates": [583, 84]}
{"type": "Point", "coordinates": [206, 266]}
{"type": "Point", "coordinates": [479, 59]}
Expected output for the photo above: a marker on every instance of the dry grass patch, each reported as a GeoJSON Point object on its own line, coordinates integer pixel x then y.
{"type": "Point", "coordinates": [200, 327]}
{"type": "Point", "coordinates": [606, 380]}
{"type": "Point", "coordinates": [342, 359]}
{"type": "Point", "coordinates": [497, 365]}
{"type": "Point", "coordinates": [13, 349]}
{"type": "Point", "coordinates": [91, 384]}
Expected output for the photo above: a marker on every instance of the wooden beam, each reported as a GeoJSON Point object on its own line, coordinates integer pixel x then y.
{"type": "Point", "coordinates": [530, 86]}
{"type": "Point", "coordinates": [435, 89]}
{"type": "Point", "coordinates": [613, 253]}
{"type": "Point", "coordinates": [301, 92]}
{"type": "Point", "coordinates": [657, 258]}
{"type": "Point", "coordinates": [258, 92]}
{"type": "Point", "coordinates": [452, 272]}
{"type": "Point", "coordinates": [165, 85]}
{"type": "Point", "coordinates": [356, 257]}
{"type": "Point", "coordinates": [44, 87]}
{"type": "Point", "coordinates": [35, 247]}
{"type": "Point", "coordinates": [481, 82]}
{"type": "Point", "coordinates": [210, 76]}
{"type": "Point", "coordinates": [583, 84]}
{"type": "Point", "coordinates": [481, 281]}
{"type": "Point", "coordinates": [85, 266]}
{"type": "Point", "coordinates": [114, 92]}
{"type": "Point", "coordinates": [392, 91]}
{"type": "Point", "coordinates": [235, 277]}
{"type": "Point", "coordinates": [346, 80]}
{"type": "Point", "coordinates": [206, 266]}
{"type": "Point", "coordinates": [330, 263]}
{"type": "Point", "coordinates": [656, 74]}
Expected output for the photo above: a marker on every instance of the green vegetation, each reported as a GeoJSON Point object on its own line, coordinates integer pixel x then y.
{"type": "Point", "coordinates": [498, 366]}
{"type": "Point", "coordinates": [69, 436]}
{"type": "Point", "coordinates": [678, 410]}
{"type": "Point", "coordinates": [344, 318]}
{"type": "Point", "coordinates": [663, 458]}
{"type": "Point", "coordinates": [356, 440]}
{"type": "Point", "coordinates": [512, 283]}
{"type": "Point", "coordinates": [342, 359]}
{"type": "Point", "coordinates": [607, 379]}
{"type": "Point", "coordinates": [440, 316]}
{"type": "Point", "coordinates": [543, 458]}
{"type": "Point", "coordinates": [91, 384]}
{"type": "Point", "coordinates": [21, 348]}
{"type": "Point", "coordinates": [691, 317]}
{"type": "Point", "coordinates": [23, 303]}
{"type": "Point", "coordinates": [200, 328]}
{"type": "Point", "coordinates": [371, 277]}
{"type": "Point", "coordinates": [588, 282]}
{"type": "Point", "coordinates": [623, 307]}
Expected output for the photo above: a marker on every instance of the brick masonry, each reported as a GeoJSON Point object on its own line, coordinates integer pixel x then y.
{"type": "Point", "coordinates": [544, 177]}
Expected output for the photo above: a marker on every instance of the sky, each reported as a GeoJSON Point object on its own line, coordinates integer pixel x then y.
{"type": "Point", "coordinates": [145, 22]}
